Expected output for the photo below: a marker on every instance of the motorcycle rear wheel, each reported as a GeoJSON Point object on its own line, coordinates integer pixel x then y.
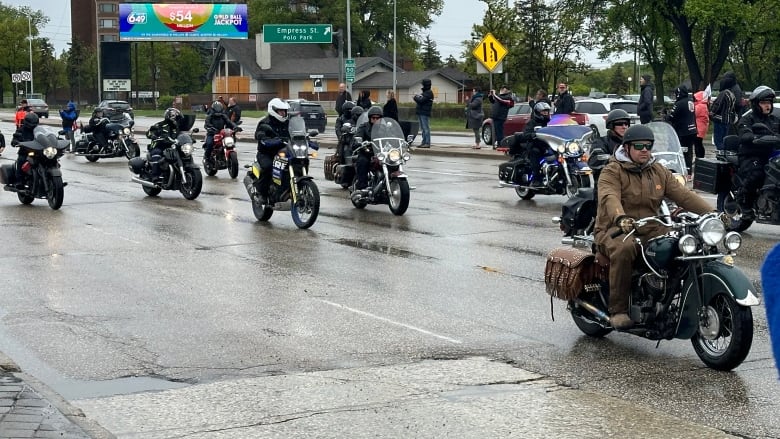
{"type": "Point", "coordinates": [56, 193]}
{"type": "Point", "coordinates": [210, 167]}
{"type": "Point", "coordinates": [306, 210]}
{"type": "Point", "coordinates": [233, 164]}
{"type": "Point", "coordinates": [152, 191]}
{"type": "Point", "coordinates": [191, 188]}
{"type": "Point", "coordinates": [732, 209]}
{"type": "Point", "coordinates": [399, 196]}
{"type": "Point", "coordinates": [585, 321]}
{"type": "Point", "coordinates": [92, 158]}
{"type": "Point", "coordinates": [730, 341]}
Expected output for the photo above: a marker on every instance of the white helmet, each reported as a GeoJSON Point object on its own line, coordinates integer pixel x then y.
{"type": "Point", "coordinates": [275, 105]}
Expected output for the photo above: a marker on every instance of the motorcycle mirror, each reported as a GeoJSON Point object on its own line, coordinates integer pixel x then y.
{"type": "Point", "coordinates": [195, 130]}
{"type": "Point", "coordinates": [239, 122]}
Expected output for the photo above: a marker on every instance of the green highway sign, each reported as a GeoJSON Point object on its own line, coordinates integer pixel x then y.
{"type": "Point", "coordinates": [349, 69]}
{"type": "Point", "coordinates": [297, 33]}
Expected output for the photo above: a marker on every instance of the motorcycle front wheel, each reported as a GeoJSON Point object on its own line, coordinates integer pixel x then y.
{"type": "Point", "coordinates": [262, 212]}
{"type": "Point", "coordinates": [725, 336]}
{"type": "Point", "coordinates": [56, 193]}
{"type": "Point", "coordinates": [92, 158]}
{"type": "Point", "coordinates": [305, 210]}
{"type": "Point", "coordinates": [193, 185]}
{"type": "Point", "coordinates": [732, 209]}
{"type": "Point", "coordinates": [25, 198]}
{"type": "Point", "coordinates": [233, 164]}
{"type": "Point", "coordinates": [399, 196]}
{"type": "Point", "coordinates": [132, 150]}
{"type": "Point", "coordinates": [524, 193]}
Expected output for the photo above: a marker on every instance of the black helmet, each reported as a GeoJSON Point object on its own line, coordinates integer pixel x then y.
{"type": "Point", "coordinates": [761, 93]}
{"type": "Point", "coordinates": [172, 115]}
{"type": "Point", "coordinates": [616, 115]}
{"type": "Point", "coordinates": [356, 112]}
{"type": "Point", "coordinates": [347, 107]}
{"type": "Point", "coordinates": [374, 111]}
{"type": "Point", "coordinates": [217, 107]}
{"type": "Point", "coordinates": [538, 109]}
{"type": "Point", "coordinates": [638, 132]}
{"type": "Point", "coordinates": [30, 120]}
{"type": "Point", "coordinates": [98, 112]}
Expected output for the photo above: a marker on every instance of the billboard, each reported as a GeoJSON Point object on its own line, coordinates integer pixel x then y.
{"type": "Point", "coordinates": [181, 22]}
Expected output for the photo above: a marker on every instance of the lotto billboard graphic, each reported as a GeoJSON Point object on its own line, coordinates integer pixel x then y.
{"type": "Point", "coordinates": [181, 22]}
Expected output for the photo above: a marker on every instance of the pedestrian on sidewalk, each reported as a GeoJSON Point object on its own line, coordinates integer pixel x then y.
{"type": "Point", "coordinates": [69, 114]}
{"type": "Point", "coordinates": [391, 106]}
{"type": "Point", "coordinates": [475, 115]}
{"type": "Point", "coordinates": [424, 101]}
{"type": "Point", "coordinates": [726, 110]}
{"type": "Point", "coordinates": [701, 108]}
{"type": "Point", "coordinates": [564, 103]}
{"type": "Point", "coordinates": [501, 103]}
{"type": "Point", "coordinates": [683, 119]}
{"type": "Point", "coordinates": [644, 108]}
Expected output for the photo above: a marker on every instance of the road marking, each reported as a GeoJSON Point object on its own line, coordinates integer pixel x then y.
{"type": "Point", "coordinates": [445, 173]}
{"type": "Point", "coordinates": [483, 206]}
{"type": "Point", "coordinates": [392, 322]}
{"type": "Point", "coordinates": [111, 234]}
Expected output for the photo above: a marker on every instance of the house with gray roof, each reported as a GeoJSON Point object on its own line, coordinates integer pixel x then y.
{"type": "Point", "coordinates": [254, 71]}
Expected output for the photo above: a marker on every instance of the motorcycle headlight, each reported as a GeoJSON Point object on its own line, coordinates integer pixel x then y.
{"type": "Point", "coordinates": [126, 131]}
{"type": "Point", "coordinates": [186, 149]}
{"type": "Point", "coordinates": [573, 148]}
{"type": "Point", "coordinates": [561, 149]}
{"type": "Point", "coordinates": [687, 245]}
{"type": "Point", "coordinates": [300, 151]}
{"type": "Point", "coordinates": [50, 152]}
{"type": "Point", "coordinates": [394, 155]}
{"type": "Point", "coordinates": [712, 231]}
{"type": "Point", "coordinates": [732, 241]}
{"type": "Point", "coordinates": [228, 142]}
{"type": "Point", "coordinates": [380, 156]}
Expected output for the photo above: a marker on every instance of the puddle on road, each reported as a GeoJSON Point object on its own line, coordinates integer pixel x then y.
{"type": "Point", "coordinates": [73, 390]}
{"type": "Point", "coordinates": [381, 248]}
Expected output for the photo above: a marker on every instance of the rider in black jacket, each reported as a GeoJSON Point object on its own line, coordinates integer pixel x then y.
{"type": "Point", "coordinates": [215, 121]}
{"type": "Point", "coordinates": [160, 133]}
{"type": "Point", "coordinates": [23, 134]}
{"type": "Point", "coordinates": [540, 116]}
{"type": "Point", "coordinates": [271, 134]}
{"type": "Point", "coordinates": [97, 126]}
{"type": "Point", "coordinates": [752, 157]}
{"type": "Point", "coordinates": [364, 158]}
{"type": "Point", "coordinates": [604, 147]}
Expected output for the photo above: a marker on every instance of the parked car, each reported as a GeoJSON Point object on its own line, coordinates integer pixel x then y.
{"type": "Point", "coordinates": [39, 107]}
{"type": "Point", "coordinates": [635, 98]}
{"type": "Point", "coordinates": [516, 119]}
{"type": "Point", "coordinates": [593, 112]}
{"type": "Point", "coordinates": [313, 114]}
{"type": "Point", "coordinates": [113, 109]}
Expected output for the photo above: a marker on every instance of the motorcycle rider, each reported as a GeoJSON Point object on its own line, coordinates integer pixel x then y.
{"type": "Point", "coordinates": [97, 126]}
{"type": "Point", "coordinates": [345, 116]}
{"type": "Point", "coordinates": [215, 121]}
{"type": "Point", "coordinates": [540, 116]}
{"type": "Point", "coordinates": [160, 133]}
{"type": "Point", "coordinates": [632, 185]}
{"type": "Point", "coordinates": [364, 157]}
{"type": "Point", "coordinates": [23, 134]}
{"type": "Point", "coordinates": [604, 147]}
{"type": "Point", "coordinates": [752, 158]}
{"type": "Point", "coordinates": [271, 133]}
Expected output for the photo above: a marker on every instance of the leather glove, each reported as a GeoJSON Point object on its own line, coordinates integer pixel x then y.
{"type": "Point", "coordinates": [625, 222]}
{"type": "Point", "coordinates": [726, 219]}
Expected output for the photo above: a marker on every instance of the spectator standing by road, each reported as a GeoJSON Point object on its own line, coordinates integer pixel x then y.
{"type": "Point", "coordinates": [701, 108]}
{"type": "Point", "coordinates": [342, 97]}
{"type": "Point", "coordinates": [424, 101]}
{"type": "Point", "coordinates": [726, 110]}
{"type": "Point", "coordinates": [644, 108]}
{"type": "Point", "coordinates": [501, 103]}
{"type": "Point", "coordinates": [540, 96]}
{"type": "Point", "coordinates": [391, 106]}
{"type": "Point", "coordinates": [683, 119]}
{"type": "Point", "coordinates": [475, 115]}
{"type": "Point", "coordinates": [564, 103]}
{"type": "Point", "coordinates": [69, 114]}
{"type": "Point", "coordinates": [21, 111]}
{"type": "Point", "coordinates": [233, 110]}
{"type": "Point", "coordinates": [364, 100]}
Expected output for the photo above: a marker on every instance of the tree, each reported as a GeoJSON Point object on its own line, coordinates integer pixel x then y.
{"type": "Point", "coordinates": [429, 55]}
{"type": "Point", "coordinates": [619, 82]}
{"type": "Point", "coordinates": [81, 67]}
{"type": "Point", "coordinates": [14, 46]}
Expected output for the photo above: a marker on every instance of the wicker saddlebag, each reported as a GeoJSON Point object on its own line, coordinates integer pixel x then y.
{"type": "Point", "coordinates": [330, 165]}
{"type": "Point", "coordinates": [568, 270]}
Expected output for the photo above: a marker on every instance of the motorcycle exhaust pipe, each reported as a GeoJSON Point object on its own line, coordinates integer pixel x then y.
{"type": "Point", "coordinates": [601, 315]}
{"type": "Point", "coordinates": [566, 240]}
{"type": "Point", "coordinates": [135, 179]}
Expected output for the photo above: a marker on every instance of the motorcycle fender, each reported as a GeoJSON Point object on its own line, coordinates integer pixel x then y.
{"type": "Point", "coordinates": [302, 178]}
{"type": "Point", "coordinates": [54, 172]}
{"type": "Point", "coordinates": [398, 174]}
{"type": "Point", "coordinates": [716, 277]}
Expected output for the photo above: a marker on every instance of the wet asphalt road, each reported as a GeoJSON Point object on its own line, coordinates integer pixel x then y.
{"type": "Point", "coordinates": [120, 294]}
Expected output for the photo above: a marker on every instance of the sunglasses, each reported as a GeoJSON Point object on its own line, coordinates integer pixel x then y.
{"type": "Point", "coordinates": [621, 124]}
{"type": "Point", "coordinates": [375, 117]}
{"type": "Point", "coordinates": [641, 146]}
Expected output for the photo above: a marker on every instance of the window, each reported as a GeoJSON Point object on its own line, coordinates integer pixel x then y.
{"type": "Point", "coordinates": [109, 37]}
{"type": "Point", "coordinates": [107, 23]}
{"type": "Point", "coordinates": [630, 107]}
{"type": "Point", "coordinates": [108, 8]}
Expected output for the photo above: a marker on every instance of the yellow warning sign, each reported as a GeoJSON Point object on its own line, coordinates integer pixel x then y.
{"type": "Point", "coordinates": [489, 52]}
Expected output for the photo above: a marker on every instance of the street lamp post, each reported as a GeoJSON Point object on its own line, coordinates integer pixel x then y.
{"type": "Point", "coordinates": [97, 46]}
{"type": "Point", "coordinates": [29, 30]}
{"type": "Point", "coordinates": [395, 39]}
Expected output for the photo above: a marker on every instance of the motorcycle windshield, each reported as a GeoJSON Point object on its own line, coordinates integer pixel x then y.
{"type": "Point", "coordinates": [564, 132]}
{"type": "Point", "coordinates": [297, 128]}
{"type": "Point", "coordinates": [44, 138]}
{"type": "Point", "coordinates": [387, 134]}
{"type": "Point", "coordinates": [666, 147]}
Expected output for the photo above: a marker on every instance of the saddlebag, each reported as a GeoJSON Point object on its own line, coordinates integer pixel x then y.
{"type": "Point", "coordinates": [578, 211]}
{"type": "Point", "coordinates": [568, 271]}
{"type": "Point", "coordinates": [711, 176]}
{"type": "Point", "coordinates": [508, 171]}
{"type": "Point", "coordinates": [330, 165]}
{"type": "Point", "coordinates": [7, 174]}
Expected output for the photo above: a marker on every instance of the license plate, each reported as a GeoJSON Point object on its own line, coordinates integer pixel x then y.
{"type": "Point", "coordinates": [313, 116]}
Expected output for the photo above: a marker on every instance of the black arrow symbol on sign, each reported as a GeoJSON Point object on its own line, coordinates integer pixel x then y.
{"type": "Point", "coordinates": [492, 49]}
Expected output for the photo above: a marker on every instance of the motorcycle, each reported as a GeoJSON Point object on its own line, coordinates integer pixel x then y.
{"type": "Point", "coordinates": [120, 141]}
{"type": "Point", "coordinates": [564, 166]}
{"type": "Point", "coordinates": [578, 213]}
{"type": "Point", "coordinates": [42, 176]}
{"type": "Point", "coordinates": [682, 286]}
{"type": "Point", "coordinates": [178, 170]}
{"type": "Point", "coordinates": [291, 187]}
{"type": "Point", "coordinates": [720, 177]}
{"type": "Point", "coordinates": [387, 182]}
{"type": "Point", "coordinates": [223, 155]}
{"type": "Point", "coordinates": [336, 165]}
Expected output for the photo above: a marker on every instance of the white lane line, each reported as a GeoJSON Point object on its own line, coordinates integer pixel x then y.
{"type": "Point", "coordinates": [444, 173]}
{"type": "Point", "coordinates": [392, 322]}
{"type": "Point", "coordinates": [484, 206]}
{"type": "Point", "coordinates": [111, 234]}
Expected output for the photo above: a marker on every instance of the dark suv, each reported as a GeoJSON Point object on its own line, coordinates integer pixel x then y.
{"type": "Point", "coordinates": [113, 109]}
{"type": "Point", "coordinates": [313, 114]}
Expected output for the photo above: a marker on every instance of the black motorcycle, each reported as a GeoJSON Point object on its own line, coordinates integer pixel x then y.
{"type": "Point", "coordinates": [41, 173]}
{"type": "Point", "coordinates": [335, 164]}
{"type": "Point", "coordinates": [292, 188]}
{"type": "Point", "coordinates": [120, 140]}
{"type": "Point", "coordinates": [682, 286]}
{"type": "Point", "coordinates": [178, 170]}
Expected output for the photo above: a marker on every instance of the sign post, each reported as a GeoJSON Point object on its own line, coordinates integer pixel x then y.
{"type": "Point", "coordinates": [298, 33]}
